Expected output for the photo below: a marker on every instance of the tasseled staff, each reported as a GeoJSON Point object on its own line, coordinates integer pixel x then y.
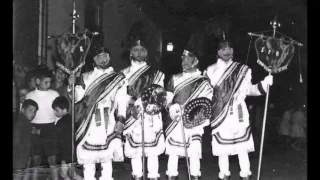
{"type": "Point", "coordinates": [274, 64]}
{"type": "Point", "coordinates": [152, 96]}
{"type": "Point", "coordinates": [187, 122]}
{"type": "Point", "coordinates": [73, 18]}
{"type": "Point", "coordinates": [69, 63]}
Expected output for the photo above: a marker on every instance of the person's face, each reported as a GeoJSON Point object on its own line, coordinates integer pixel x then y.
{"type": "Point", "coordinates": [102, 60]}
{"type": "Point", "coordinates": [32, 84]}
{"type": "Point", "coordinates": [188, 63]}
{"type": "Point", "coordinates": [139, 53]}
{"type": "Point", "coordinates": [44, 83]}
{"type": "Point", "coordinates": [22, 94]}
{"type": "Point", "coordinates": [60, 76]}
{"type": "Point", "coordinates": [226, 53]}
{"type": "Point", "coordinates": [59, 112]}
{"type": "Point", "coordinates": [29, 112]}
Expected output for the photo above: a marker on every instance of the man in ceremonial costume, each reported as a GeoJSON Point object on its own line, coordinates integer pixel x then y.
{"type": "Point", "coordinates": [181, 89]}
{"type": "Point", "coordinates": [98, 129]}
{"type": "Point", "coordinates": [231, 131]}
{"type": "Point", "coordinates": [140, 75]}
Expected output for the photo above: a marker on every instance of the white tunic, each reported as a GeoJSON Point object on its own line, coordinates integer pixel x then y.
{"type": "Point", "coordinates": [174, 141]}
{"type": "Point", "coordinates": [152, 124]}
{"type": "Point", "coordinates": [234, 135]}
{"type": "Point", "coordinates": [97, 134]}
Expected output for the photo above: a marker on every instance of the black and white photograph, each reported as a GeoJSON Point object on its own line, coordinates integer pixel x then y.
{"type": "Point", "coordinates": [160, 90]}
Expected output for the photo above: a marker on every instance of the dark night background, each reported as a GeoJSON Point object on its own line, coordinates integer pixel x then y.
{"type": "Point", "coordinates": [177, 20]}
{"type": "Point", "coordinates": [180, 18]}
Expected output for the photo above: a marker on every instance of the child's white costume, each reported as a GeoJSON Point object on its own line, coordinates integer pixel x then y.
{"type": "Point", "coordinates": [181, 89]}
{"type": "Point", "coordinates": [98, 97]}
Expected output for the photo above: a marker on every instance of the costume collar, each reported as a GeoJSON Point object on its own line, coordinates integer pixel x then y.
{"type": "Point", "coordinates": [102, 71]}
{"type": "Point", "coordinates": [136, 64]}
{"type": "Point", "coordinates": [222, 63]}
{"type": "Point", "coordinates": [195, 73]}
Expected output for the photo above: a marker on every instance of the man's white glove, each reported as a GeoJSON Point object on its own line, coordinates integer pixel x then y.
{"type": "Point", "coordinates": [175, 112]}
{"type": "Point", "coordinates": [268, 80]}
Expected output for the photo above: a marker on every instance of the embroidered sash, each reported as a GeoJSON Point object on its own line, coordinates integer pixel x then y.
{"type": "Point", "coordinates": [187, 90]}
{"type": "Point", "coordinates": [223, 93]}
{"type": "Point", "coordinates": [142, 78]}
{"type": "Point", "coordinates": [96, 91]}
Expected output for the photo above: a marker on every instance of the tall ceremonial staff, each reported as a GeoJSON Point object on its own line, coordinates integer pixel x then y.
{"type": "Point", "coordinates": [70, 66]}
{"type": "Point", "coordinates": [153, 99]}
{"type": "Point", "coordinates": [74, 18]}
{"type": "Point", "coordinates": [274, 55]}
{"type": "Point", "coordinates": [185, 144]}
{"type": "Point", "coordinates": [189, 109]}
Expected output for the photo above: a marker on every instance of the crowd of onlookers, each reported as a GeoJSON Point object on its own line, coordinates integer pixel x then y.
{"type": "Point", "coordinates": [286, 127]}
{"type": "Point", "coordinates": [42, 125]}
{"type": "Point", "coordinates": [293, 128]}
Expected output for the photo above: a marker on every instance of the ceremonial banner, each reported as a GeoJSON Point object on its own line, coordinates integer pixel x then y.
{"type": "Point", "coordinates": [274, 54]}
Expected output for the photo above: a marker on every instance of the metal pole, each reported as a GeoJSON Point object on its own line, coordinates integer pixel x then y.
{"type": "Point", "coordinates": [40, 34]}
{"type": "Point", "coordinates": [274, 31]}
{"type": "Point", "coordinates": [73, 89]}
{"type": "Point", "coordinates": [263, 129]}
{"type": "Point", "coordinates": [42, 31]}
{"type": "Point", "coordinates": [185, 148]}
{"type": "Point", "coordinates": [72, 113]}
{"type": "Point", "coordinates": [46, 29]}
{"type": "Point", "coordinates": [264, 36]}
{"type": "Point", "coordinates": [143, 150]}
{"type": "Point", "coordinates": [74, 18]}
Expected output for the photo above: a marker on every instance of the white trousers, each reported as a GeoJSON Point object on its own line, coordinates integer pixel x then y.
{"type": "Point", "coordinates": [90, 170]}
{"type": "Point", "coordinates": [152, 167]}
{"type": "Point", "coordinates": [243, 162]}
{"type": "Point", "coordinates": [173, 166]}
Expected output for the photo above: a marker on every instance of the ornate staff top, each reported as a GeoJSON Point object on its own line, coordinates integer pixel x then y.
{"type": "Point", "coordinates": [274, 54]}
{"type": "Point", "coordinates": [274, 23]}
{"type": "Point", "coordinates": [74, 16]}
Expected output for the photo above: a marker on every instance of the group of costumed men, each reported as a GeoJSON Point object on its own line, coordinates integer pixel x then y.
{"type": "Point", "coordinates": [109, 104]}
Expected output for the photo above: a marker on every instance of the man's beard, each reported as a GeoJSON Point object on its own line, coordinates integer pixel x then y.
{"type": "Point", "coordinates": [103, 66]}
{"type": "Point", "coordinates": [188, 68]}
{"type": "Point", "coordinates": [139, 58]}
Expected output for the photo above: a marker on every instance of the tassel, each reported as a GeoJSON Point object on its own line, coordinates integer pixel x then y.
{"type": "Point", "coordinates": [240, 113]}
{"type": "Point", "coordinates": [231, 107]}
{"type": "Point", "coordinates": [301, 81]}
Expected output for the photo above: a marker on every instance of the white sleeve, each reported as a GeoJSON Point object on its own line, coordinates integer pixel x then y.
{"type": "Point", "coordinates": [28, 96]}
{"type": "Point", "coordinates": [169, 97]}
{"type": "Point", "coordinates": [253, 89]}
{"type": "Point", "coordinates": [56, 94]}
{"type": "Point", "coordinates": [122, 100]}
{"type": "Point", "coordinates": [78, 93]}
